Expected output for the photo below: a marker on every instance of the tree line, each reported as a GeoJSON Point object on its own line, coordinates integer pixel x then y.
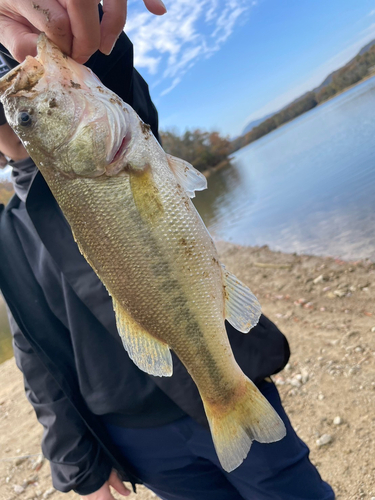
{"type": "Point", "coordinates": [357, 69]}
{"type": "Point", "coordinates": [204, 150]}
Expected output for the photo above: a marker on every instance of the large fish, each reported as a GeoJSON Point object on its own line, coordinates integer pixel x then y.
{"type": "Point", "coordinates": [128, 204]}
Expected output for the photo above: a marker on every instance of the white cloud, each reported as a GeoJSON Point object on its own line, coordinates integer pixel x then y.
{"type": "Point", "coordinates": [371, 13]}
{"type": "Point", "coordinates": [175, 82]}
{"type": "Point", "coordinates": [170, 45]}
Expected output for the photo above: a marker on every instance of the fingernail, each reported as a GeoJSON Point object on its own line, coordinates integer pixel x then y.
{"type": "Point", "coordinates": [162, 4]}
{"type": "Point", "coordinates": [104, 48]}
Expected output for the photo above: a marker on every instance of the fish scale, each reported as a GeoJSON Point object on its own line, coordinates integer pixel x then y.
{"type": "Point", "coordinates": [134, 246]}
{"type": "Point", "coordinates": [128, 204]}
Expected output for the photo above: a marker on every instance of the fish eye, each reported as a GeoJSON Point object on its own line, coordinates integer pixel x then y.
{"type": "Point", "coordinates": [24, 119]}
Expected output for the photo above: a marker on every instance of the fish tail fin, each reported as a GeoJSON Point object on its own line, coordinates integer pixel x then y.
{"type": "Point", "coordinates": [250, 418]}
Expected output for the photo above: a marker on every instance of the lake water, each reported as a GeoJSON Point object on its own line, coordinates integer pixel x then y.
{"type": "Point", "coordinates": [308, 187]}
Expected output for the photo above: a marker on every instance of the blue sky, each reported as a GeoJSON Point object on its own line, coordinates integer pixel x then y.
{"type": "Point", "coordinates": [217, 64]}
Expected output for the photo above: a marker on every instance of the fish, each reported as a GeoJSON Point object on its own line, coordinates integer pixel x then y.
{"type": "Point", "coordinates": [129, 206]}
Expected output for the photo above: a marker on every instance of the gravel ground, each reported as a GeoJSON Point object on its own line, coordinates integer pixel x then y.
{"type": "Point", "coordinates": [326, 308]}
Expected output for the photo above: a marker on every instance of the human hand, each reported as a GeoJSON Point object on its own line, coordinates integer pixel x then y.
{"type": "Point", "coordinates": [73, 25]}
{"type": "Point", "coordinates": [104, 493]}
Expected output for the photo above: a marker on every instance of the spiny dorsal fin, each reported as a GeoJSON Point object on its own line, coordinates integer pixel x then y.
{"type": "Point", "coordinates": [242, 308]}
{"type": "Point", "coordinates": [148, 353]}
{"type": "Point", "coordinates": [187, 176]}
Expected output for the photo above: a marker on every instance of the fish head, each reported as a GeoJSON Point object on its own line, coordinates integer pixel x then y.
{"type": "Point", "coordinates": [66, 119]}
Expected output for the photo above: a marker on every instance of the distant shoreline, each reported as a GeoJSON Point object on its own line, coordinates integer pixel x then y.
{"type": "Point", "coordinates": [368, 77]}
{"type": "Point", "coordinates": [359, 69]}
{"type": "Point", "coordinates": [341, 92]}
{"type": "Point", "coordinates": [219, 166]}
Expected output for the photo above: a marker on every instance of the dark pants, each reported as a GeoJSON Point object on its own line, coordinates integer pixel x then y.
{"type": "Point", "coordinates": [178, 462]}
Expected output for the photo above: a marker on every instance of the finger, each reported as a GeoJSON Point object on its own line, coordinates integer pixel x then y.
{"type": "Point", "coordinates": [85, 26]}
{"type": "Point", "coordinates": [51, 18]}
{"type": "Point", "coordinates": [117, 484]}
{"type": "Point", "coordinates": [18, 38]}
{"type": "Point", "coordinates": [102, 493]}
{"type": "Point", "coordinates": [114, 18]}
{"type": "Point", "coordinates": [113, 22]}
{"type": "Point", "coordinates": [155, 6]}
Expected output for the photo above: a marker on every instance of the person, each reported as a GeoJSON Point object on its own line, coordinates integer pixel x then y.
{"type": "Point", "coordinates": [105, 420]}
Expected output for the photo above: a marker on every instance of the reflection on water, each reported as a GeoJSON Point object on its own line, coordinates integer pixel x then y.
{"type": "Point", "coordinates": [221, 186]}
{"type": "Point", "coordinates": [308, 187]}
{"type": "Point", "coordinates": [6, 351]}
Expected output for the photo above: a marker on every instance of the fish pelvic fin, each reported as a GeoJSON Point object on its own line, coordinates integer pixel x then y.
{"type": "Point", "coordinates": [150, 354]}
{"type": "Point", "coordinates": [187, 176]}
{"type": "Point", "coordinates": [242, 308]}
{"type": "Point", "coordinates": [249, 417]}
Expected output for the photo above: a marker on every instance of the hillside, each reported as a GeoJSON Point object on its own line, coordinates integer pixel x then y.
{"type": "Point", "coordinates": [254, 123]}
{"type": "Point", "coordinates": [352, 72]}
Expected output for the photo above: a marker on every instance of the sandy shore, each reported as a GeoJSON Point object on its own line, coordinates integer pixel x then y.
{"type": "Point", "coordinates": [326, 308]}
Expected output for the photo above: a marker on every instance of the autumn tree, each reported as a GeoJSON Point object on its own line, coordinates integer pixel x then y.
{"type": "Point", "coordinates": [204, 150]}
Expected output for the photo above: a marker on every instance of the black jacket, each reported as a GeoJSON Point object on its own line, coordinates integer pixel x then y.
{"type": "Point", "coordinates": [75, 441]}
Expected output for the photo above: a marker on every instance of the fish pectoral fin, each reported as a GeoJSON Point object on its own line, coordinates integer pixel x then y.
{"type": "Point", "coordinates": [187, 176]}
{"type": "Point", "coordinates": [148, 353]}
{"type": "Point", "coordinates": [242, 308]}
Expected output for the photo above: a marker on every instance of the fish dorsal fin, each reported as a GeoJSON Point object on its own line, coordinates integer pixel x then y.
{"type": "Point", "coordinates": [148, 353]}
{"type": "Point", "coordinates": [187, 176]}
{"type": "Point", "coordinates": [242, 308]}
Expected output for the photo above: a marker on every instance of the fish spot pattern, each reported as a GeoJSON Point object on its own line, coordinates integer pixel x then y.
{"type": "Point", "coordinates": [75, 85]}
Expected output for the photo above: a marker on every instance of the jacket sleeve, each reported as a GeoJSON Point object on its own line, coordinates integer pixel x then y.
{"type": "Point", "coordinates": [77, 460]}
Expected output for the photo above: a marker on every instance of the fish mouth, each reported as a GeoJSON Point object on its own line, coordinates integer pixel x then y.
{"type": "Point", "coordinates": [25, 77]}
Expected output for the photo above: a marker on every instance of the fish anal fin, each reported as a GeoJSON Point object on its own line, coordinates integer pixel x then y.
{"type": "Point", "coordinates": [148, 353]}
{"type": "Point", "coordinates": [187, 176]}
{"type": "Point", "coordinates": [249, 417]}
{"type": "Point", "coordinates": [242, 308]}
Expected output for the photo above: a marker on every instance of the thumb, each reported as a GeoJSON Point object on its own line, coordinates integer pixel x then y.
{"type": "Point", "coordinates": [18, 38]}
{"type": "Point", "coordinates": [117, 484]}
